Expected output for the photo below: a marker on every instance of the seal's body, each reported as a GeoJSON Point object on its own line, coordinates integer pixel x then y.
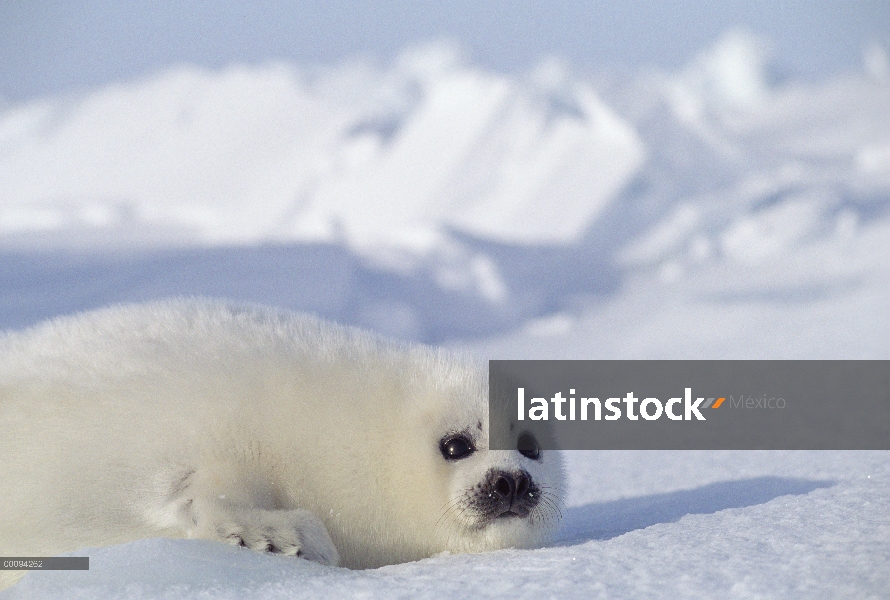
{"type": "Point", "coordinates": [262, 428]}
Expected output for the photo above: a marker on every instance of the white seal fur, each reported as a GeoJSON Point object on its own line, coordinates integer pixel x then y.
{"type": "Point", "coordinates": [262, 428]}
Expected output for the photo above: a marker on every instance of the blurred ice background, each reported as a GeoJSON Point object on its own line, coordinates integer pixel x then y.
{"type": "Point", "coordinates": [635, 179]}
{"type": "Point", "coordinates": [655, 179]}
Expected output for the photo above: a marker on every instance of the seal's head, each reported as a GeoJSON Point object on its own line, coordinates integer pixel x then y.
{"type": "Point", "coordinates": [495, 498]}
{"type": "Point", "coordinates": [445, 489]}
{"type": "Point", "coordinates": [499, 498]}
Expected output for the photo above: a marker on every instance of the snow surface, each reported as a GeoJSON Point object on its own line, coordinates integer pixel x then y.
{"type": "Point", "coordinates": [638, 525]}
{"type": "Point", "coordinates": [710, 213]}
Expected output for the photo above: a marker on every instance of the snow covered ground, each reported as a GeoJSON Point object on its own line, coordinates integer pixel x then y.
{"type": "Point", "coordinates": [714, 212]}
{"type": "Point", "coordinates": [638, 525]}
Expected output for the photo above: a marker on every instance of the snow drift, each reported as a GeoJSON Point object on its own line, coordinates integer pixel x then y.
{"type": "Point", "coordinates": [434, 200]}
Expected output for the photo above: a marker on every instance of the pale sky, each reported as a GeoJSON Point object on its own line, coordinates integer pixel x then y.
{"type": "Point", "coordinates": [49, 47]}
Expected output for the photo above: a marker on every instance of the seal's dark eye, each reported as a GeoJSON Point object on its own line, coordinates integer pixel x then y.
{"type": "Point", "coordinates": [456, 447]}
{"type": "Point", "coordinates": [528, 446]}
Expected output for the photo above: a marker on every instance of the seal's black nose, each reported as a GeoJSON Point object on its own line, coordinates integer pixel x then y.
{"type": "Point", "coordinates": [510, 486]}
{"type": "Point", "coordinates": [510, 494]}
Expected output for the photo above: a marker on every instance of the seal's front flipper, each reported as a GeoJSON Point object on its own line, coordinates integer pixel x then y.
{"type": "Point", "coordinates": [226, 503]}
{"type": "Point", "coordinates": [289, 532]}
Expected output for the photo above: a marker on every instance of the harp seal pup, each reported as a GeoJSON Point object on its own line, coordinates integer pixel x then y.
{"type": "Point", "coordinates": [257, 427]}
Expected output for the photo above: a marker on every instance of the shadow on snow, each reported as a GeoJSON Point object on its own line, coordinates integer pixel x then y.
{"type": "Point", "coordinates": [606, 520]}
